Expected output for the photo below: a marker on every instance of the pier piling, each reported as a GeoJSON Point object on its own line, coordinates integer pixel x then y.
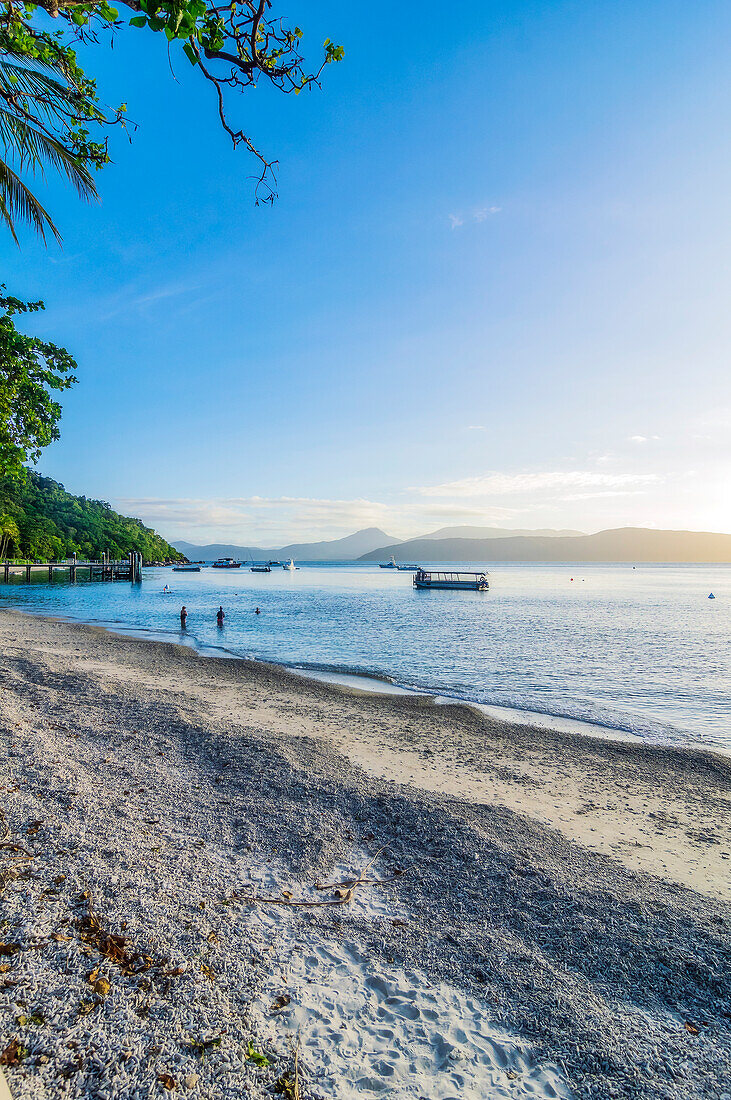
{"type": "Point", "coordinates": [128, 569]}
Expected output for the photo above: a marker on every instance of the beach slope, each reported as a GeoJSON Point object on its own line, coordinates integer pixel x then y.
{"type": "Point", "coordinates": [508, 912]}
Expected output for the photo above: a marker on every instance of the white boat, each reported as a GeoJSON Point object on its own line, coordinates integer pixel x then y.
{"type": "Point", "coordinates": [389, 565]}
{"type": "Point", "coordinates": [261, 569]}
{"type": "Point", "coordinates": [290, 565]}
{"type": "Point", "coordinates": [408, 568]}
{"type": "Point", "coordinates": [226, 563]}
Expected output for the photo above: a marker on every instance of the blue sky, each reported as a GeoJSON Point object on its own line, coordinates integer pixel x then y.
{"type": "Point", "coordinates": [493, 290]}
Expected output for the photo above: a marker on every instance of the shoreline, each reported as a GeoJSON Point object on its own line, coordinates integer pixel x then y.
{"type": "Point", "coordinates": [382, 683]}
{"type": "Point", "coordinates": [172, 788]}
{"type": "Point", "coordinates": [409, 762]}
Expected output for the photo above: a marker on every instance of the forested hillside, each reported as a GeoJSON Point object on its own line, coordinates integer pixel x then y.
{"type": "Point", "coordinates": [40, 520]}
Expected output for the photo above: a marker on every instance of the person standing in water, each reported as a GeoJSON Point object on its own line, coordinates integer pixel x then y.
{"type": "Point", "coordinates": [220, 617]}
{"type": "Point", "coordinates": [183, 617]}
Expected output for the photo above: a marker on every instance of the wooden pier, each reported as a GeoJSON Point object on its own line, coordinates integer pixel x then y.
{"type": "Point", "coordinates": [127, 569]}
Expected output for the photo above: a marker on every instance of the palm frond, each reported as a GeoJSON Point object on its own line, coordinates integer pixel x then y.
{"type": "Point", "coordinates": [34, 149]}
{"type": "Point", "coordinates": [35, 102]}
{"type": "Point", "coordinates": [21, 79]}
{"type": "Point", "coordinates": [18, 203]}
{"type": "Point", "coordinates": [51, 95]}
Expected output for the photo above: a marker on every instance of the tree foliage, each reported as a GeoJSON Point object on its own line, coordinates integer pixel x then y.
{"type": "Point", "coordinates": [50, 110]}
{"type": "Point", "coordinates": [39, 128]}
{"type": "Point", "coordinates": [41, 521]}
{"type": "Point", "coordinates": [31, 371]}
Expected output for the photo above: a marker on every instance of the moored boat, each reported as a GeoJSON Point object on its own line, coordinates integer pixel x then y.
{"type": "Point", "coordinates": [431, 578]}
{"type": "Point", "coordinates": [186, 569]}
{"type": "Point", "coordinates": [408, 568]}
{"type": "Point", "coordinates": [290, 565]}
{"type": "Point", "coordinates": [226, 563]}
{"type": "Point", "coordinates": [260, 569]}
{"type": "Point", "coordinates": [389, 565]}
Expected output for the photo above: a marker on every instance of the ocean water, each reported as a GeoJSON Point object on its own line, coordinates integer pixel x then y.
{"type": "Point", "coordinates": [638, 650]}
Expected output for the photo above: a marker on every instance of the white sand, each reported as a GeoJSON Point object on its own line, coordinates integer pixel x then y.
{"type": "Point", "coordinates": [372, 1029]}
{"type": "Point", "coordinates": [503, 958]}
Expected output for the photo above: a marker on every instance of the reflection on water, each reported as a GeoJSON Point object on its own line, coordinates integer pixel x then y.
{"type": "Point", "coordinates": [642, 649]}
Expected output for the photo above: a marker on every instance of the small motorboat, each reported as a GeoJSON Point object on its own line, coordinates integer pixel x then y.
{"type": "Point", "coordinates": [275, 563]}
{"type": "Point", "coordinates": [261, 568]}
{"type": "Point", "coordinates": [408, 568]}
{"type": "Point", "coordinates": [186, 569]}
{"type": "Point", "coordinates": [289, 565]}
{"type": "Point", "coordinates": [226, 563]}
{"type": "Point", "coordinates": [389, 565]}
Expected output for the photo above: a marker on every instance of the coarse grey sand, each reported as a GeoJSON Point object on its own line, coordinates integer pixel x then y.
{"type": "Point", "coordinates": [158, 806]}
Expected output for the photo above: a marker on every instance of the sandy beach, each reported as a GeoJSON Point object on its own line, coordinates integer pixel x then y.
{"type": "Point", "coordinates": [540, 914]}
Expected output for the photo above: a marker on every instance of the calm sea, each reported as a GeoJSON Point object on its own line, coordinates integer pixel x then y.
{"type": "Point", "coordinates": [639, 650]}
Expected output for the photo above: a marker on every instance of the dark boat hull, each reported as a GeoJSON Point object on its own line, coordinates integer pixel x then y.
{"type": "Point", "coordinates": [458, 586]}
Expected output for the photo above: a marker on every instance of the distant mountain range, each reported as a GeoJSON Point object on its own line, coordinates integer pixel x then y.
{"type": "Point", "coordinates": [346, 549]}
{"type": "Point", "coordinates": [625, 544]}
{"type": "Point", "coordinates": [493, 533]}
{"type": "Point", "coordinates": [482, 544]}
{"type": "Point", "coordinates": [349, 548]}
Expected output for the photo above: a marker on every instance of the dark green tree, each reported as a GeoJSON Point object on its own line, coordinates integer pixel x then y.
{"type": "Point", "coordinates": [31, 372]}
{"type": "Point", "coordinates": [9, 534]}
{"type": "Point", "coordinates": [40, 520]}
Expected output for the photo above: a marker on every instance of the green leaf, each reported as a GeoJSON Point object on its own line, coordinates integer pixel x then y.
{"type": "Point", "coordinates": [138, 21]}
{"type": "Point", "coordinates": [256, 1056]}
{"type": "Point", "coordinates": [190, 53]}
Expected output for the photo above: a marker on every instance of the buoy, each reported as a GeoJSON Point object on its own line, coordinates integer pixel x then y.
{"type": "Point", "coordinates": [711, 596]}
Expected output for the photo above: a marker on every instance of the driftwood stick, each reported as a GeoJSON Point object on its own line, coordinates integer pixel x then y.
{"type": "Point", "coordinates": [348, 887]}
{"type": "Point", "coordinates": [296, 1089]}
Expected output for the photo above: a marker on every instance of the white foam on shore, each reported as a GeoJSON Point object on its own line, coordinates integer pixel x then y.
{"type": "Point", "coordinates": [503, 714]}
{"type": "Point", "coordinates": [378, 685]}
{"type": "Point", "coordinates": [370, 1028]}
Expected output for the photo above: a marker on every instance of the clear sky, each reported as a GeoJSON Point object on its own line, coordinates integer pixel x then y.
{"type": "Point", "coordinates": [494, 288]}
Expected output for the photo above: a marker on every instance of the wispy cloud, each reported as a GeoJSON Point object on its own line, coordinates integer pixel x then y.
{"type": "Point", "coordinates": [553, 482]}
{"type": "Point", "coordinates": [479, 214]}
{"type": "Point", "coordinates": [715, 425]}
{"type": "Point", "coordinates": [485, 212]}
{"type": "Point", "coordinates": [476, 428]}
{"type": "Point", "coordinates": [258, 518]}
{"type": "Point", "coordinates": [131, 299]}
{"type": "Point", "coordinates": [642, 438]}
{"type": "Point", "coordinates": [273, 521]}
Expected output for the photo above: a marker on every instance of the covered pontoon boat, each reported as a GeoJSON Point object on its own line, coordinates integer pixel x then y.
{"type": "Point", "coordinates": [430, 578]}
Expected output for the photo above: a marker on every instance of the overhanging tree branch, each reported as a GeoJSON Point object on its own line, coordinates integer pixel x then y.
{"type": "Point", "coordinates": [235, 46]}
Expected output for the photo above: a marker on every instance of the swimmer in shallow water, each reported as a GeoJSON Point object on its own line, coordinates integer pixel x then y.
{"type": "Point", "coordinates": [183, 617]}
{"type": "Point", "coordinates": [220, 616]}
